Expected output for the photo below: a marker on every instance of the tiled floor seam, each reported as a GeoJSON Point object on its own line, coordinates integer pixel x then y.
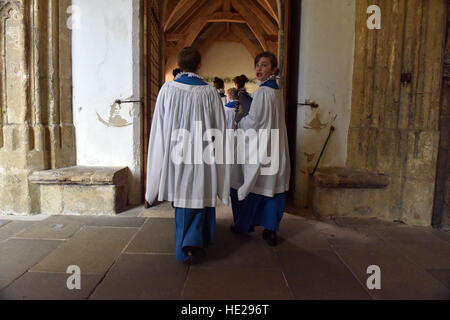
{"type": "Point", "coordinates": [336, 223]}
{"type": "Point", "coordinates": [284, 276]}
{"type": "Point", "coordinates": [115, 260]}
{"type": "Point", "coordinates": [411, 261]}
{"type": "Point", "coordinates": [287, 285]}
{"type": "Point", "coordinates": [31, 267]}
{"type": "Point", "coordinates": [6, 222]}
{"type": "Point", "coordinates": [148, 253]}
{"type": "Point", "coordinates": [15, 234]}
{"type": "Point", "coordinates": [185, 282]}
{"type": "Point", "coordinates": [44, 239]}
{"type": "Point", "coordinates": [353, 274]}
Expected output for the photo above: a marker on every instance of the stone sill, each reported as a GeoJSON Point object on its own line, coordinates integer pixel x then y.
{"type": "Point", "coordinates": [350, 178]}
{"type": "Point", "coordinates": [82, 175]}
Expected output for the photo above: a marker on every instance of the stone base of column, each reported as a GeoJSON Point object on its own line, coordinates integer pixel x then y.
{"type": "Point", "coordinates": [83, 190]}
{"type": "Point", "coordinates": [18, 196]}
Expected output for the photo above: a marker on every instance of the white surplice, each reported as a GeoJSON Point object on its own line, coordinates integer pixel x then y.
{"type": "Point", "coordinates": [196, 185]}
{"type": "Point", "coordinates": [267, 113]}
{"type": "Point", "coordinates": [230, 114]}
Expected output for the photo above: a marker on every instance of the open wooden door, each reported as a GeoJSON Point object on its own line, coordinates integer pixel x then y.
{"type": "Point", "coordinates": [151, 72]}
{"type": "Point", "coordinates": [441, 206]}
{"type": "Point", "coordinates": [291, 59]}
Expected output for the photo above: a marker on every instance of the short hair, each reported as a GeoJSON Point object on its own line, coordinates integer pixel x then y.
{"type": "Point", "coordinates": [176, 71]}
{"type": "Point", "coordinates": [218, 83]}
{"type": "Point", "coordinates": [272, 58]}
{"type": "Point", "coordinates": [233, 92]}
{"type": "Point", "coordinates": [240, 81]}
{"type": "Point", "coordinates": [189, 59]}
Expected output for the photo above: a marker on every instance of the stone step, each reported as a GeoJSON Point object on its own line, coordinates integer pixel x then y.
{"type": "Point", "coordinates": [348, 192]}
{"type": "Point", "coordinates": [83, 190]}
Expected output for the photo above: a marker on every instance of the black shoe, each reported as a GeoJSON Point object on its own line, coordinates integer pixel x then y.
{"type": "Point", "coordinates": [270, 237]}
{"type": "Point", "coordinates": [195, 255]}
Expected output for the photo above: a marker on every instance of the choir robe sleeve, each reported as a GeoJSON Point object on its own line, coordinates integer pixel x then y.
{"type": "Point", "coordinates": [266, 114]}
{"type": "Point", "coordinates": [156, 149]}
{"type": "Point", "coordinates": [222, 167]}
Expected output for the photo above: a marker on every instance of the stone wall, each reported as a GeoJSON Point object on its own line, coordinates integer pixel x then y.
{"type": "Point", "coordinates": [394, 125]}
{"type": "Point", "coordinates": [36, 130]}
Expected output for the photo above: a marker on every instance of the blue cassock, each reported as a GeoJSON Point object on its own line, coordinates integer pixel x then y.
{"type": "Point", "coordinates": [193, 227]}
{"type": "Point", "coordinates": [258, 210]}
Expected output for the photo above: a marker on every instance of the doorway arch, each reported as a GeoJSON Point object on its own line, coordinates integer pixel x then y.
{"type": "Point", "coordinates": [260, 25]}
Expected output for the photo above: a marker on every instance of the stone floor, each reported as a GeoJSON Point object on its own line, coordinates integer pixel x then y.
{"type": "Point", "coordinates": [131, 257]}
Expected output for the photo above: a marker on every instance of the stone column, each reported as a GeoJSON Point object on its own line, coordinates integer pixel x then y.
{"type": "Point", "coordinates": [36, 127]}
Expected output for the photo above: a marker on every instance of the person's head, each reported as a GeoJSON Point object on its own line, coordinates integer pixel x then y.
{"type": "Point", "coordinates": [240, 81]}
{"type": "Point", "coordinates": [175, 72]}
{"type": "Point", "coordinates": [232, 94]}
{"type": "Point", "coordinates": [189, 59]}
{"type": "Point", "coordinates": [266, 65]}
{"type": "Point", "coordinates": [218, 83]}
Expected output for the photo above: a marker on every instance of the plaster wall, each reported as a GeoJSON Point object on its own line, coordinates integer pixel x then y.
{"type": "Point", "coordinates": [106, 68]}
{"type": "Point", "coordinates": [326, 69]}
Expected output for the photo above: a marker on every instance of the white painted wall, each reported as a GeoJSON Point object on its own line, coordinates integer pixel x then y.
{"type": "Point", "coordinates": [106, 68]}
{"type": "Point", "coordinates": [326, 71]}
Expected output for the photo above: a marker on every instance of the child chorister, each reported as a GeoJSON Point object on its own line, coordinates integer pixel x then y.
{"type": "Point", "coordinates": [188, 107]}
{"type": "Point", "coordinates": [258, 191]}
{"type": "Point", "coordinates": [230, 107]}
{"type": "Point", "coordinates": [219, 84]}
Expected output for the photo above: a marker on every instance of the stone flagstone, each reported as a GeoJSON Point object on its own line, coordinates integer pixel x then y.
{"type": "Point", "coordinates": [92, 249]}
{"type": "Point", "coordinates": [48, 286]}
{"type": "Point", "coordinates": [143, 276]}
{"type": "Point", "coordinates": [18, 255]}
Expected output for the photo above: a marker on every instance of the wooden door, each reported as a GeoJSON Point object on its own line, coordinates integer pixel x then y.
{"type": "Point", "coordinates": [441, 206]}
{"type": "Point", "coordinates": [151, 72]}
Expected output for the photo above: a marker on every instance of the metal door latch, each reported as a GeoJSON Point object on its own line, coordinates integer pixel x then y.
{"type": "Point", "coordinates": [312, 104]}
{"type": "Point", "coordinates": [119, 102]}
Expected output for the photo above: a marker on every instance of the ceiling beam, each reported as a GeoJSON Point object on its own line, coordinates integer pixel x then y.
{"type": "Point", "coordinates": [183, 22]}
{"type": "Point", "coordinates": [271, 10]}
{"type": "Point", "coordinates": [252, 22]}
{"type": "Point", "coordinates": [181, 8]}
{"type": "Point", "coordinates": [200, 22]}
{"type": "Point", "coordinates": [271, 37]}
{"type": "Point", "coordinates": [266, 22]}
{"type": "Point", "coordinates": [174, 36]}
{"type": "Point", "coordinates": [227, 5]}
{"type": "Point", "coordinates": [226, 17]}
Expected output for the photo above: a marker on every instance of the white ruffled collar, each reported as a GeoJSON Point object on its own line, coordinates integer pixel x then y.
{"type": "Point", "coordinates": [189, 74]}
